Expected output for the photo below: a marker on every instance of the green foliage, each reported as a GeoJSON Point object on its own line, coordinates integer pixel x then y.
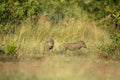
{"type": "Point", "coordinates": [11, 47]}
{"type": "Point", "coordinates": [99, 9]}
{"type": "Point", "coordinates": [58, 10]}
{"type": "Point", "coordinates": [13, 12]}
{"type": "Point", "coordinates": [16, 11]}
{"type": "Point", "coordinates": [111, 50]}
{"type": "Point", "coordinates": [116, 38]}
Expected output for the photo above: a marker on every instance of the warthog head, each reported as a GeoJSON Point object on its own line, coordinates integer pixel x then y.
{"type": "Point", "coordinates": [82, 44]}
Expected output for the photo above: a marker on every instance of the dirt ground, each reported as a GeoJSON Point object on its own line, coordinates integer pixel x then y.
{"type": "Point", "coordinates": [60, 67]}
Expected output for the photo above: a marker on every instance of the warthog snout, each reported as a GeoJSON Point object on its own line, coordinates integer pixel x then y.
{"type": "Point", "coordinates": [74, 46]}
{"type": "Point", "coordinates": [49, 44]}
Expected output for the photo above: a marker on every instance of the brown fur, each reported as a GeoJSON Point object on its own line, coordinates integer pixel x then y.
{"type": "Point", "coordinates": [49, 44]}
{"type": "Point", "coordinates": [74, 46]}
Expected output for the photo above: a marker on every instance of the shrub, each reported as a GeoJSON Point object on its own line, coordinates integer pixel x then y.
{"type": "Point", "coordinates": [11, 47]}
{"type": "Point", "coordinates": [111, 50]}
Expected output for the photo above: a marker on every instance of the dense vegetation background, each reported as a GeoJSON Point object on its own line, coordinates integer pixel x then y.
{"type": "Point", "coordinates": [60, 14]}
{"type": "Point", "coordinates": [25, 25]}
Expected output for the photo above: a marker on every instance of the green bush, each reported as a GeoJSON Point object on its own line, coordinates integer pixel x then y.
{"type": "Point", "coordinates": [14, 12]}
{"type": "Point", "coordinates": [111, 50]}
{"type": "Point", "coordinates": [11, 47]}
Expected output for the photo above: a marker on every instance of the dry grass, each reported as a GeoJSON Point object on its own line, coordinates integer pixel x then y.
{"type": "Point", "coordinates": [32, 38]}
{"type": "Point", "coordinates": [58, 67]}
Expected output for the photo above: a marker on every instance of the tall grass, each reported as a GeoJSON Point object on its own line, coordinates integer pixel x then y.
{"type": "Point", "coordinates": [31, 38]}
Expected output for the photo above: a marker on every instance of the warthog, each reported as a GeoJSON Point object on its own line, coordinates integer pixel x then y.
{"type": "Point", "coordinates": [74, 46]}
{"type": "Point", "coordinates": [49, 44]}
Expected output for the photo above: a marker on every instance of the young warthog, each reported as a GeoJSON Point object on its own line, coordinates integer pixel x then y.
{"type": "Point", "coordinates": [74, 46]}
{"type": "Point", "coordinates": [49, 44]}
